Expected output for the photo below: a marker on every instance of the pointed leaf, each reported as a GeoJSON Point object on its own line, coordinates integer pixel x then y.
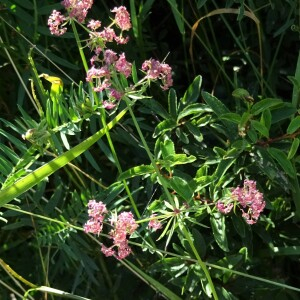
{"type": "Point", "coordinates": [136, 171]}
{"type": "Point", "coordinates": [193, 92]}
{"type": "Point", "coordinates": [294, 125]}
{"type": "Point", "coordinates": [164, 126]}
{"type": "Point", "coordinates": [282, 160]}
{"type": "Point", "coordinates": [217, 222]}
{"type": "Point", "coordinates": [182, 187]}
{"type": "Point", "coordinates": [264, 104]}
{"type": "Point", "coordinates": [294, 148]}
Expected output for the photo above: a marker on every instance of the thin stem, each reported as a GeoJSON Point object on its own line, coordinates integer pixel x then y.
{"type": "Point", "coordinates": [186, 233]}
{"type": "Point", "coordinates": [200, 261]}
{"type": "Point", "coordinates": [150, 155]}
{"type": "Point", "coordinates": [103, 121]}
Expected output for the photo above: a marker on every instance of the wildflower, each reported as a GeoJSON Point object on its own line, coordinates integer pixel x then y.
{"type": "Point", "coordinates": [110, 57]}
{"type": "Point", "coordinates": [108, 104]}
{"type": "Point", "coordinates": [102, 85]}
{"type": "Point", "coordinates": [107, 251]}
{"type": "Point", "coordinates": [55, 23]}
{"type": "Point", "coordinates": [251, 201]}
{"type": "Point", "coordinates": [78, 9]}
{"type": "Point", "coordinates": [154, 223]}
{"type": "Point", "coordinates": [123, 66]}
{"type": "Point", "coordinates": [224, 208]}
{"type": "Point", "coordinates": [123, 225]}
{"type": "Point", "coordinates": [107, 34]}
{"type": "Point", "coordinates": [115, 94]}
{"type": "Point", "coordinates": [94, 24]}
{"type": "Point", "coordinates": [122, 18]}
{"type": "Point", "coordinates": [96, 212]}
{"type": "Point", "coordinates": [156, 70]}
{"type": "Point", "coordinates": [121, 40]}
{"type": "Point", "coordinates": [97, 73]}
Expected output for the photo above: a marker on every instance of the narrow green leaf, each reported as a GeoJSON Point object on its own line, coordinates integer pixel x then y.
{"type": "Point", "coordinates": [294, 125]}
{"type": "Point", "coordinates": [193, 92]}
{"type": "Point", "coordinates": [27, 182]}
{"type": "Point", "coordinates": [177, 15]}
{"type": "Point", "coordinates": [52, 291]}
{"type": "Point", "coordinates": [136, 171]}
{"type": "Point", "coordinates": [164, 126]}
{"type": "Point", "coordinates": [264, 104]}
{"type": "Point", "coordinates": [266, 118]}
{"type": "Point", "coordinates": [172, 103]}
{"type": "Point", "coordinates": [195, 131]}
{"type": "Point", "coordinates": [294, 148]}
{"type": "Point", "coordinates": [218, 226]}
{"type": "Point", "coordinates": [283, 161]}
{"type": "Point", "coordinates": [231, 117]}
{"type": "Point", "coordinates": [193, 109]}
{"type": "Point", "coordinates": [283, 112]}
{"type": "Point", "coordinates": [167, 148]}
{"type": "Point", "coordinates": [182, 187]}
{"type": "Point", "coordinates": [177, 159]}
{"type": "Point", "coordinates": [261, 128]}
{"type": "Point", "coordinates": [220, 109]}
{"type": "Point", "coordinates": [241, 93]}
{"type": "Point", "coordinates": [199, 242]}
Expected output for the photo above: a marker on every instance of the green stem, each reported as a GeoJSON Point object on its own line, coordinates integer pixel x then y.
{"type": "Point", "coordinates": [150, 155]}
{"type": "Point", "coordinates": [186, 233]}
{"type": "Point", "coordinates": [200, 261]}
{"type": "Point", "coordinates": [103, 121]}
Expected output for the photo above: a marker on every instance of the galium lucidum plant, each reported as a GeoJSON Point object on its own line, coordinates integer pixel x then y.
{"type": "Point", "coordinates": [197, 205]}
{"type": "Point", "coordinates": [106, 66]}
{"type": "Point", "coordinates": [109, 73]}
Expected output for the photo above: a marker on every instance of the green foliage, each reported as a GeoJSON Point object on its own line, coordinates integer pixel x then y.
{"type": "Point", "coordinates": [167, 157]}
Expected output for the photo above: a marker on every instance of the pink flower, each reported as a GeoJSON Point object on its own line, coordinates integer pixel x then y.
{"type": "Point", "coordinates": [224, 208]}
{"type": "Point", "coordinates": [105, 84]}
{"type": "Point", "coordinates": [96, 212]}
{"type": "Point", "coordinates": [116, 94]}
{"type": "Point", "coordinates": [94, 24]}
{"type": "Point", "coordinates": [122, 17]}
{"type": "Point", "coordinates": [110, 56]}
{"type": "Point", "coordinates": [108, 105]}
{"type": "Point", "coordinates": [154, 223]}
{"type": "Point", "coordinates": [156, 70]}
{"type": "Point", "coordinates": [123, 225]}
{"type": "Point", "coordinates": [97, 73]}
{"type": "Point", "coordinates": [251, 201]}
{"type": "Point", "coordinates": [124, 250]}
{"type": "Point", "coordinates": [107, 34]}
{"type": "Point", "coordinates": [107, 251]}
{"type": "Point", "coordinates": [123, 66]}
{"type": "Point", "coordinates": [122, 40]}
{"type": "Point", "coordinates": [78, 9]}
{"type": "Point", "coordinates": [55, 23]}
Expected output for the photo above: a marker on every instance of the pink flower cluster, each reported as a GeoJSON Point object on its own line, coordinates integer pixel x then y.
{"type": "Point", "coordinates": [154, 223]}
{"type": "Point", "coordinates": [156, 70]}
{"type": "Point", "coordinates": [55, 23]}
{"type": "Point", "coordinates": [96, 212]}
{"type": "Point", "coordinates": [123, 226]}
{"type": "Point", "coordinates": [105, 63]}
{"type": "Point", "coordinates": [250, 201]}
{"type": "Point", "coordinates": [78, 9]}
